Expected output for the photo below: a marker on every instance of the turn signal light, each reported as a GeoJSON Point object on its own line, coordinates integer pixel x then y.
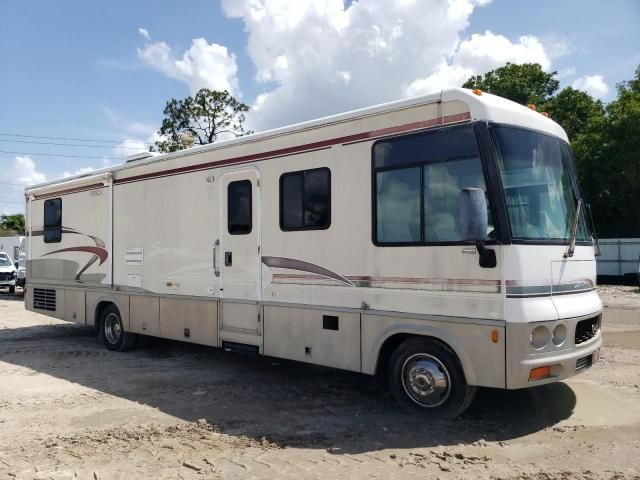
{"type": "Point", "coordinates": [539, 373]}
{"type": "Point", "coordinates": [494, 336]}
{"type": "Point", "coordinates": [477, 91]}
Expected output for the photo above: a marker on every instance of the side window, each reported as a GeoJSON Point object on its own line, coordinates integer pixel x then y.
{"type": "Point", "coordinates": [418, 185]}
{"type": "Point", "coordinates": [305, 200]}
{"type": "Point", "coordinates": [53, 220]}
{"type": "Point", "coordinates": [239, 208]}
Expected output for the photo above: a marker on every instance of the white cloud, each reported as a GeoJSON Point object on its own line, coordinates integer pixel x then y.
{"type": "Point", "coordinates": [130, 147]}
{"type": "Point", "coordinates": [25, 171]}
{"type": "Point", "coordinates": [145, 33]}
{"type": "Point", "coordinates": [13, 182]}
{"type": "Point", "coordinates": [80, 171]}
{"type": "Point", "coordinates": [483, 52]}
{"type": "Point", "coordinates": [594, 85]}
{"type": "Point", "coordinates": [325, 57]}
{"type": "Point", "coordinates": [204, 65]}
{"type": "Point", "coordinates": [566, 72]}
{"type": "Point", "coordinates": [322, 57]}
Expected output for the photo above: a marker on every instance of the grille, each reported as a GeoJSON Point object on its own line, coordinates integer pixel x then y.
{"type": "Point", "coordinates": [5, 276]}
{"type": "Point", "coordinates": [584, 362]}
{"type": "Point", "coordinates": [587, 329]}
{"type": "Point", "coordinates": [44, 299]}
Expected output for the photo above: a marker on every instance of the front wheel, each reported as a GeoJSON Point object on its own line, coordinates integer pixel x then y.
{"type": "Point", "coordinates": [425, 377]}
{"type": "Point", "coordinates": [113, 333]}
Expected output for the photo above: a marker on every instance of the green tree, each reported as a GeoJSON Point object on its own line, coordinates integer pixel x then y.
{"type": "Point", "coordinates": [576, 111]}
{"type": "Point", "coordinates": [203, 117]}
{"type": "Point", "coordinates": [617, 189]}
{"type": "Point", "coordinates": [523, 83]}
{"type": "Point", "coordinates": [12, 224]}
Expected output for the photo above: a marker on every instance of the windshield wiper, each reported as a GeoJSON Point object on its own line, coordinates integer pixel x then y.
{"type": "Point", "coordinates": [574, 231]}
{"type": "Point", "coordinates": [594, 234]}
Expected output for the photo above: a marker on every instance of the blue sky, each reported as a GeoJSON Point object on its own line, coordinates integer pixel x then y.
{"type": "Point", "coordinates": [85, 70]}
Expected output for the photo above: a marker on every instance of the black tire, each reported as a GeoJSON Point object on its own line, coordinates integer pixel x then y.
{"type": "Point", "coordinates": [426, 379]}
{"type": "Point", "coordinates": [112, 331]}
{"type": "Point", "coordinates": [12, 289]}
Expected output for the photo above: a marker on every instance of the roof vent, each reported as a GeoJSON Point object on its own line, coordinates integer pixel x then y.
{"type": "Point", "coordinates": [141, 156]}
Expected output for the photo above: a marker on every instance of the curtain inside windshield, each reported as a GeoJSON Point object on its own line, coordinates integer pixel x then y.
{"type": "Point", "coordinates": [539, 185]}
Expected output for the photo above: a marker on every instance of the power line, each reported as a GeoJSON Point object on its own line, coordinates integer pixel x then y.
{"type": "Point", "coordinates": [68, 144]}
{"type": "Point", "coordinates": [18, 184]}
{"type": "Point", "coordinates": [64, 138]}
{"type": "Point", "coordinates": [60, 155]}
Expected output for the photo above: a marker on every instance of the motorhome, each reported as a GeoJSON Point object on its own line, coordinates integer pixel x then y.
{"type": "Point", "coordinates": [440, 241]}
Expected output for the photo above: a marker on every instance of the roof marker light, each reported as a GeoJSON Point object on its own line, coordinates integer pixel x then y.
{"type": "Point", "coordinates": [545, 114]}
{"type": "Point", "coordinates": [531, 106]}
{"type": "Point", "coordinates": [477, 91]}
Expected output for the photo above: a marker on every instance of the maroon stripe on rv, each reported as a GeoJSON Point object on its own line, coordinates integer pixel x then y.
{"type": "Point", "coordinates": [412, 280]}
{"type": "Point", "coordinates": [438, 281]}
{"type": "Point", "coordinates": [99, 252]}
{"type": "Point", "coordinates": [358, 137]}
{"type": "Point", "coordinates": [57, 193]}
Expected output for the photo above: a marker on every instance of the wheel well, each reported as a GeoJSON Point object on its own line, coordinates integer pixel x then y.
{"type": "Point", "coordinates": [393, 341]}
{"type": "Point", "coordinates": [99, 309]}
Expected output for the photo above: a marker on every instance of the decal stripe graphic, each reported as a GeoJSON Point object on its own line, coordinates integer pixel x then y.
{"type": "Point", "coordinates": [292, 264]}
{"type": "Point", "coordinates": [99, 252]}
{"type": "Point", "coordinates": [282, 152]}
{"type": "Point", "coordinates": [358, 137]}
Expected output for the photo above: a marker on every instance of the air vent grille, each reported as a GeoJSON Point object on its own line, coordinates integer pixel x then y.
{"type": "Point", "coordinates": [44, 299]}
{"type": "Point", "coordinates": [584, 362]}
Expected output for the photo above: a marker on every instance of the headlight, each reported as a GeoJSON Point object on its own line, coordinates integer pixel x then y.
{"type": "Point", "coordinates": [540, 336]}
{"type": "Point", "coordinates": [559, 335]}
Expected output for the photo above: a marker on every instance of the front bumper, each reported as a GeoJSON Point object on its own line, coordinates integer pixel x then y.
{"type": "Point", "coordinates": [564, 361]}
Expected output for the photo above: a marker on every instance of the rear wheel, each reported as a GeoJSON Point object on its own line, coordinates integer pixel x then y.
{"type": "Point", "coordinates": [112, 329]}
{"type": "Point", "coordinates": [425, 377]}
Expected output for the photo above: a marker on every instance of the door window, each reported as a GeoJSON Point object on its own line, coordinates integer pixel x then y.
{"type": "Point", "coordinates": [239, 208]}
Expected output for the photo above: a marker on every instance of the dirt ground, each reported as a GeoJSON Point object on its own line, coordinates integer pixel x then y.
{"type": "Point", "coordinates": [71, 409]}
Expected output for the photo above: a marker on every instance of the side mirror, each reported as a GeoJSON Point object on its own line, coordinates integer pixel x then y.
{"type": "Point", "coordinates": [15, 264]}
{"type": "Point", "coordinates": [474, 221]}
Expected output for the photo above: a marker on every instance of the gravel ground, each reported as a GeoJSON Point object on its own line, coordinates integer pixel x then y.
{"type": "Point", "coordinates": [620, 296]}
{"type": "Point", "coordinates": [71, 409]}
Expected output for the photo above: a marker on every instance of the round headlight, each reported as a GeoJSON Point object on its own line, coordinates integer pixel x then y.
{"type": "Point", "coordinates": [540, 336]}
{"type": "Point", "coordinates": [559, 335]}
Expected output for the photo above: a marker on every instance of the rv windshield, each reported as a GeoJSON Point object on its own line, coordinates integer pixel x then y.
{"type": "Point", "coordinates": [539, 185]}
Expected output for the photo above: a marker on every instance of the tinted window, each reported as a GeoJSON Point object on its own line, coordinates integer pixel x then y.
{"type": "Point", "coordinates": [443, 183]}
{"type": "Point", "coordinates": [418, 186]}
{"type": "Point", "coordinates": [455, 142]}
{"type": "Point", "coordinates": [398, 205]}
{"type": "Point", "coordinates": [53, 220]}
{"type": "Point", "coordinates": [305, 200]}
{"type": "Point", "coordinates": [239, 207]}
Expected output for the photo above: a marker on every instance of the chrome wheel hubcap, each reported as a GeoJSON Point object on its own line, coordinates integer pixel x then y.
{"type": "Point", "coordinates": [426, 380]}
{"type": "Point", "coordinates": [112, 328]}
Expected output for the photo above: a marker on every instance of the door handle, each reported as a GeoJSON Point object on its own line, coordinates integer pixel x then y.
{"type": "Point", "coordinates": [228, 259]}
{"type": "Point", "coordinates": [216, 272]}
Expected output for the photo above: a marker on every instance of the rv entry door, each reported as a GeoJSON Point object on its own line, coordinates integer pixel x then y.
{"type": "Point", "coordinates": [238, 257]}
